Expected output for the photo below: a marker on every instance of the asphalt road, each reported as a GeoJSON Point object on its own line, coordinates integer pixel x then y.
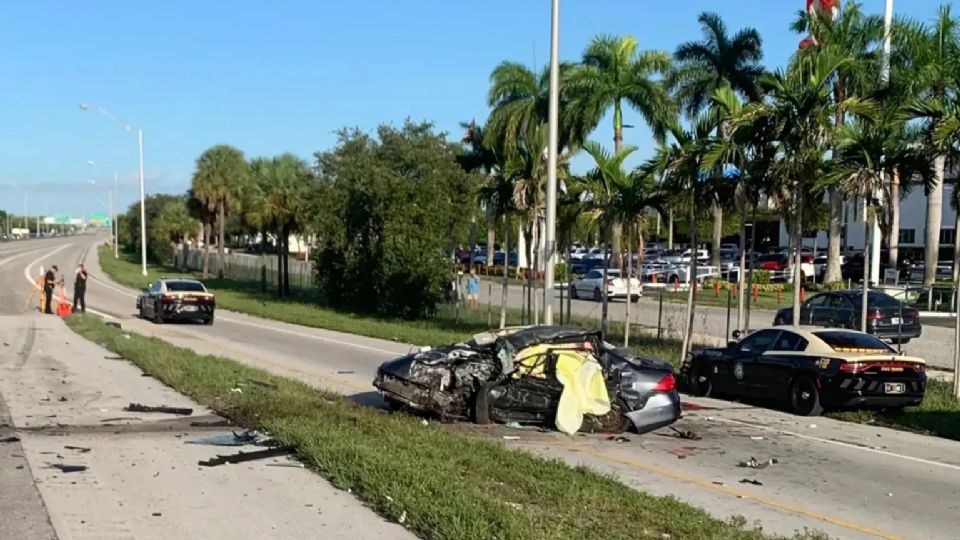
{"type": "Point", "coordinates": [850, 481]}
{"type": "Point", "coordinates": [710, 322]}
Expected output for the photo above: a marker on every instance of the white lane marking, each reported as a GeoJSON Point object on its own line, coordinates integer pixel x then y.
{"type": "Point", "coordinates": [273, 328]}
{"type": "Point", "coordinates": [18, 255]}
{"type": "Point", "coordinates": [26, 274]}
{"type": "Point", "coordinates": [840, 443]}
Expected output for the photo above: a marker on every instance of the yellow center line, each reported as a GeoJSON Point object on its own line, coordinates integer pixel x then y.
{"type": "Point", "coordinates": [786, 507]}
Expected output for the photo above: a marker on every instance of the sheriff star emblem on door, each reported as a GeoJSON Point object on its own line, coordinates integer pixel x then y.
{"type": "Point", "coordinates": [738, 371]}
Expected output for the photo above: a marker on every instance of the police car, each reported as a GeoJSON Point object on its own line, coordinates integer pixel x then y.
{"type": "Point", "coordinates": [811, 369]}
{"type": "Point", "coordinates": [176, 300]}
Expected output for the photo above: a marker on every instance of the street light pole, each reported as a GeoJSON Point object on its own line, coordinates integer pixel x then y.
{"type": "Point", "coordinates": [143, 212]}
{"type": "Point", "coordinates": [143, 209]}
{"type": "Point", "coordinates": [114, 226]}
{"type": "Point", "coordinates": [552, 155]}
{"type": "Point", "coordinates": [885, 78]}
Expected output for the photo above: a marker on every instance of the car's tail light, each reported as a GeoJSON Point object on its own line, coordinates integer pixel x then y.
{"type": "Point", "coordinates": [667, 384]}
{"type": "Point", "coordinates": [874, 316]}
{"type": "Point", "coordinates": [858, 367]}
{"type": "Point", "coordinates": [911, 313]}
{"type": "Point", "coordinates": [806, 259]}
{"type": "Point", "coordinates": [168, 298]}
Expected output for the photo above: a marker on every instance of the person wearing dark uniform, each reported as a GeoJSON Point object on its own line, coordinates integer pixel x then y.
{"type": "Point", "coordinates": [80, 290]}
{"type": "Point", "coordinates": [49, 283]}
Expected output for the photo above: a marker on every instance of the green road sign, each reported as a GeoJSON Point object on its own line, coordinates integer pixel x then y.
{"type": "Point", "coordinates": [62, 219]}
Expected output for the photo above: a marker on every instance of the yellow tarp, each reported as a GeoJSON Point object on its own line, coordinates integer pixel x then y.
{"type": "Point", "coordinates": [584, 388]}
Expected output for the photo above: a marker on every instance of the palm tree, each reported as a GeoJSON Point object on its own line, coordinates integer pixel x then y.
{"type": "Point", "coordinates": [934, 51]}
{"type": "Point", "coordinates": [703, 67]}
{"type": "Point", "coordinates": [219, 180]}
{"type": "Point", "coordinates": [614, 71]}
{"type": "Point", "coordinates": [497, 196]}
{"type": "Point", "coordinates": [256, 214]}
{"type": "Point", "coordinates": [287, 184]}
{"type": "Point", "coordinates": [866, 149]}
{"type": "Point", "coordinates": [199, 211]}
{"type": "Point", "coordinates": [681, 165]}
{"type": "Point", "coordinates": [483, 156]}
{"type": "Point", "coordinates": [603, 186]}
{"type": "Point", "coordinates": [857, 36]}
{"type": "Point", "coordinates": [803, 108]}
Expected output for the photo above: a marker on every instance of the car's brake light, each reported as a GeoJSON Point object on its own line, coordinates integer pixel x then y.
{"type": "Point", "coordinates": [806, 259]}
{"type": "Point", "coordinates": [168, 298]}
{"type": "Point", "coordinates": [667, 384]}
{"type": "Point", "coordinates": [858, 367]}
{"type": "Point", "coordinates": [874, 316]}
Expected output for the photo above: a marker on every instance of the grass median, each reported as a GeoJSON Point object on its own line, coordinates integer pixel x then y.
{"type": "Point", "coordinates": [440, 484]}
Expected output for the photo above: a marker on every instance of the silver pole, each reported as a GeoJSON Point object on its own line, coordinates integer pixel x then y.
{"type": "Point", "coordinates": [143, 209]}
{"type": "Point", "coordinates": [552, 151]}
{"type": "Point", "coordinates": [885, 77]}
{"type": "Point", "coordinates": [115, 227]}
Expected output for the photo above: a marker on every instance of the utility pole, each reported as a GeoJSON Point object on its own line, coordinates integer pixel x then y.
{"type": "Point", "coordinates": [552, 151]}
{"type": "Point", "coordinates": [114, 226]}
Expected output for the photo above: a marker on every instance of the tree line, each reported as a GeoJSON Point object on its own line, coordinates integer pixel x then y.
{"type": "Point", "coordinates": [831, 125]}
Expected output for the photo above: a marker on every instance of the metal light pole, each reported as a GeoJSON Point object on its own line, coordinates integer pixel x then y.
{"type": "Point", "coordinates": [143, 212]}
{"type": "Point", "coordinates": [114, 226]}
{"type": "Point", "coordinates": [885, 78]}
{"type": "Point", "coordinates": [552, 151]}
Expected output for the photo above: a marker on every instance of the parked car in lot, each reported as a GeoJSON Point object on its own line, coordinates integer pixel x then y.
{"type": "Point", "coordinates": [582, 266]}
{"type": "Point", "coordinates": [680, 273]}
{"type": "Point", "coordinates": [780, 266]}
{"type": "Point", "coordinates": [591, 285]}
{"type": "Point", "coordinates": [499, 257]}
{"type": "Point", "coordinates": [683, 256]}
{"type": "Point", "coordinates": [810, 369]}
{"type": "Point", "coordinates": [517, 375]}
{"type": "Point", "coordinates": [887, 317]}
{"type": "Point", "coordinates": [176, 300]}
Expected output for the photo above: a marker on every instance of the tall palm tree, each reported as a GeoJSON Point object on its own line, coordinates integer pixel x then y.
{"type": "Point", "coordinates": [803, 108]}
{"type": "Point", "coordinates": [935, 51]}
{"type": "Point", "coordinates": [288, 182]}
{"type": "Point", "coordinates": [198, 210]}
{"type": "Point", "coordinates": [219, 180]}
{"type": "Point", "coordinates": [866, 149]}
{"type": "Point", "coordinates": [485, 157]}
{"type": "Point", "coordinates": [857, 36]}
{"type": "Point", "coordinates": [613, 72]}
{"type": "Point", "coordinates": [255, 213]}
{"type": "Point", "coordinates": [497, 195]}
{"type": "Point", "coordinates": [718, 61]}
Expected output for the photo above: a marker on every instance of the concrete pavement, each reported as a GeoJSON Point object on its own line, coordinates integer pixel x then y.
{"type": "Point", "coordinates": [848, 480]}
{"type": "Point", "coordinates": [142, 481]}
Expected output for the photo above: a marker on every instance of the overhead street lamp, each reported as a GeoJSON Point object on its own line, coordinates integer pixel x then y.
{"type": "Point", "coordinates": [143, 212]}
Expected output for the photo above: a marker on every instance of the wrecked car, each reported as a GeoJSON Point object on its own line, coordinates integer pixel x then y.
{"type": "Point", "coordinates": [567, 378]}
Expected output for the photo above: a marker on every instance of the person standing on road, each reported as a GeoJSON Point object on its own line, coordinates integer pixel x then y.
{"type": "Point", "coordinates": [473, 289]}
{"type": "Point", "coordinates": [80, 290]}
{"type": "Point", "coordinates": [49, 284]}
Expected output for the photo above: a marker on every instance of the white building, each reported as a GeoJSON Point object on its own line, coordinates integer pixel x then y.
{"type": "Point", "coordinates": [913, 215]}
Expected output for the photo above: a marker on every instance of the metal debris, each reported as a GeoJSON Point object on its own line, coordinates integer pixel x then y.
{"type": "Point", "coordinates": [114, 358]}
{"type": "Point", "coordinates": [232, 439]}
{"type": "Point", "coordinates": [511, 438]}
{"type": "Point", "coordinates": [345, 372]}
{"type": "Point", "coordinates": [756, 438]}
{"type": "Point", "coordinates": [752, 463]}
{"type": "Point", "coordinates": [618, 438]}
{"type": "Point", "coordinates": [63, 467]}
{"type": "Point", "coordinates": [212, 423]}
{"type": "Point", "coordinates": [136, 407]}
{"type": "Point", "coordinates": [241, 457]}
{"type": "Point", "coordinates": [62, 399]}
{"type": "Point", "coordinates": [752, 482]}
{"type": "Point", "coordinates": [81, 449]}
{"type": "Point", "coordinates": [10, 439]}
{"type": "Point", "coordinates": [687, 435]}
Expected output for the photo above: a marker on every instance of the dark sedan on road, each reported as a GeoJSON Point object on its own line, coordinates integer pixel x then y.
{"type": "Point", "coordinates": [887, 317]}
{"type": "Point", "coordinates": [516, 375]}
{"type": "Point", "coordinates": [811, 369]}
{"type": "Point", "coordinates": [176, 300]}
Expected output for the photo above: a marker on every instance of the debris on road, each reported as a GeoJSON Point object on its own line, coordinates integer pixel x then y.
{"type": "Point", "coordinates": [685, 451]}
{"type": "Point", "coordinates": [752, 463]}
{"type": "Point", "coordinates": [136, 407]}
{"type": "Point", "coordinates": [241, 457]}
{"type": "Point", "coordinates": [345, 372]}
{"type": "Point", "coordinates": [511, 438]}
{"type": "Point", "coordinates": [232, 439]}
{"type": "Point", "coordinates": [62, 399]}
{"type": "Point", "coordinates": [618, 438]}
{"type": "Point", "coordinates": [211, 423]}
{"type": "Point", "coordinates": [756, 438]}
{"type": "Point", "coordinates": [114, 358]}
{"type": "Point", "coordinates": [10, 439]}
{"type": "Point", "coordinates": [752, 482]}
{"type": "Point", "coordinates": [63, 467]}
{"type": "Point", "coordinates": [113, 324]}
{"type": "Point", "coordinates": [812, 426]}
{"type": "Point", "coordinates": [81, 449]}
{"type": "Point", "coordinates": [687, 435]}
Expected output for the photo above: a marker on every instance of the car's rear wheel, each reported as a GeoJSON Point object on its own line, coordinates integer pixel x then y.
{"type": "Point", "coordinates": [208, 321]}
{"type": "Point", "coordinates": [900, 341]}
{"type": "Point", "coordinates": [700, 382]}
{"type": "Point", "coordinates": [573, 292]}
{"type": "Point", "coordinates": [615, 421]}
{"type": "Point", "coordinates": [598, 294]}
{"type": "Point", "coordinates": [481, 405]}
{"type": "Point", "coordinates": [157, 317]}
{"type": "Point", "coordinates": [805, 397]}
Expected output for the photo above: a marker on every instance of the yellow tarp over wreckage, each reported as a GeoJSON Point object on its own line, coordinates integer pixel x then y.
{"type": "Point", "coordinates": [584, 388]}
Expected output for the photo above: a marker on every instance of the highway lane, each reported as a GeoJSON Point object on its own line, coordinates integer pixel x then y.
{"type": "Point", "coordinates": [847, 480]}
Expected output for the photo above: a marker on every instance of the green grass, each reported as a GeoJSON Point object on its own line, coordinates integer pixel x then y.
{"type": "Point", "coordinates": [938, 415]}
{"type": "Point", "coordinates": [444, 484]}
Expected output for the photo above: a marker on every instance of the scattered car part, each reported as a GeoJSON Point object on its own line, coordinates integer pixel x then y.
{"type": "Point", "coordinates": [63, 467]}
{"type": "Point", "coordinates": [11, 439]}
{"type": "Point", "coordinates": [249, 456]}
{"type": "Point", "coordinates": [136, 407]}
{"type": "Point", "coordinates": [232, 439]}
{"type": "Point", "coordinates": [81, 449]}
{"type": "Point", "coordinates": [753, 482]}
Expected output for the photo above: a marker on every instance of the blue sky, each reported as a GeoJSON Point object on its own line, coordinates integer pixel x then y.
{"type": "Point", "coordinates": [272, 77]}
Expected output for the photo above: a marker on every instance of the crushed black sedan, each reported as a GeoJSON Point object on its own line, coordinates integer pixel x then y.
{"type": "Point", "coordinates": [547, 375]}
